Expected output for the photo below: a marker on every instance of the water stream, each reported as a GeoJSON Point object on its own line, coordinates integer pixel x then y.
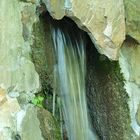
{"type": "Point", "coordinates": [70, 68]}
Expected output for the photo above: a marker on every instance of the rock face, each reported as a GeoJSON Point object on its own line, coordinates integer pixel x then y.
{"type": "Point", "coordinates": [132, 10]}
{"type": "Point", "coordinates": [15, 64]}
{"type": "Point", "coordinates": [17, 72]}
{"type": "Point", "coordinates": [114, 110]}
{"type": "Point", "coordinates": [109, 111]}
{"type": "Point", "coordinates": [104, 21]}
{"type": "Point", "coordinates": [30, 124]}
{"type": "Point", "coordinates": [129, 61]}
{"type": "Point", "coordinates": [18, 77]}
{"type": "Point", "coordinates": [105, 24]}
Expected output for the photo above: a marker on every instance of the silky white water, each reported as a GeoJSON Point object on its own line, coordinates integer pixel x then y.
{"type": "Point", "coordinates": [70, 71]}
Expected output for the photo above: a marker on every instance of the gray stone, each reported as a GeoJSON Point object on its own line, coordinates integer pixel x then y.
{"type": "Point", "coordinates": [16, 69]}
{"type": "Point", "coordinates": [30, 125]}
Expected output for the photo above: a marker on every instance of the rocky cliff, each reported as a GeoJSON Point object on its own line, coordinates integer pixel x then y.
{"type": "Point", "coordinates": [113, 27]}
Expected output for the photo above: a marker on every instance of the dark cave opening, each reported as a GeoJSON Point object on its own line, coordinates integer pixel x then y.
{"type": "Point", "coordinates": [68, 25]}
{"type": "Point", "coordinates": [104, 81]}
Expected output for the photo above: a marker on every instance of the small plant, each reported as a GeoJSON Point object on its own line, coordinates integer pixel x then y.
{"type": "Point", "coordinates": [38, 101]}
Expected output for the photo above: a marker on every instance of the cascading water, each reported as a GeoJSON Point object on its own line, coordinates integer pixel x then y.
{"type": "Point", "coordinates": [69, 48]}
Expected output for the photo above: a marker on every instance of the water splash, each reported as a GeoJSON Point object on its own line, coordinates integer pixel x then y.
{"type": "Point", "coordinates": [70, 69]}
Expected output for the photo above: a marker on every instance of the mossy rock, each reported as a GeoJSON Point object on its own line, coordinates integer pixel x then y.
{"type": "Point", "coordinates": [50, 127]}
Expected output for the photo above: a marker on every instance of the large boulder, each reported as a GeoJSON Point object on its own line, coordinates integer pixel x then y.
{"type": "Point", "coordinates": [17, 72]}
{"type": "Point", "coordinates": [104, 21]}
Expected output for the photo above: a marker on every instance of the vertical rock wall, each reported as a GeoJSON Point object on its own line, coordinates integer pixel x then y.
{"type": "Point", "coordinates": [17, 72]}
{"type": "Point", "coordinates": [15, 64]}
{"type": "Point", "coordinates": [109, 111]}
{"type": "Point", "coordinates": [129, 61]}
{"type": "Point", "coordinates": [18, 77]}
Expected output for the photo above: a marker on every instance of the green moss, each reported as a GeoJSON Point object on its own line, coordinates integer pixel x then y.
{"type": "Point", "coordinates": [42, 58]}
{"type": "Point", "coordinates": [108, 102]}
{"type": "Point", "coordinates": [50, 127]}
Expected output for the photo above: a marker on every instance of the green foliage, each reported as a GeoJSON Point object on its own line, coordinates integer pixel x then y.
{"type": "Point", "coordinates": [38, 101]}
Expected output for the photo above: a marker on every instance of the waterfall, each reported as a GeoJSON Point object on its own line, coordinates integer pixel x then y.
{"type": "Point", "coordinates": [70, 68]}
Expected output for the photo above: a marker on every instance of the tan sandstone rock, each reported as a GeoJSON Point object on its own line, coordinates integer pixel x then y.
{"type": "Point", "coordinates": [104, 21]}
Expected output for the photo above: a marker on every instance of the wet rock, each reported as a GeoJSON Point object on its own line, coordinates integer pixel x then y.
{"type": "Point", "coordinates": [106, 98]}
